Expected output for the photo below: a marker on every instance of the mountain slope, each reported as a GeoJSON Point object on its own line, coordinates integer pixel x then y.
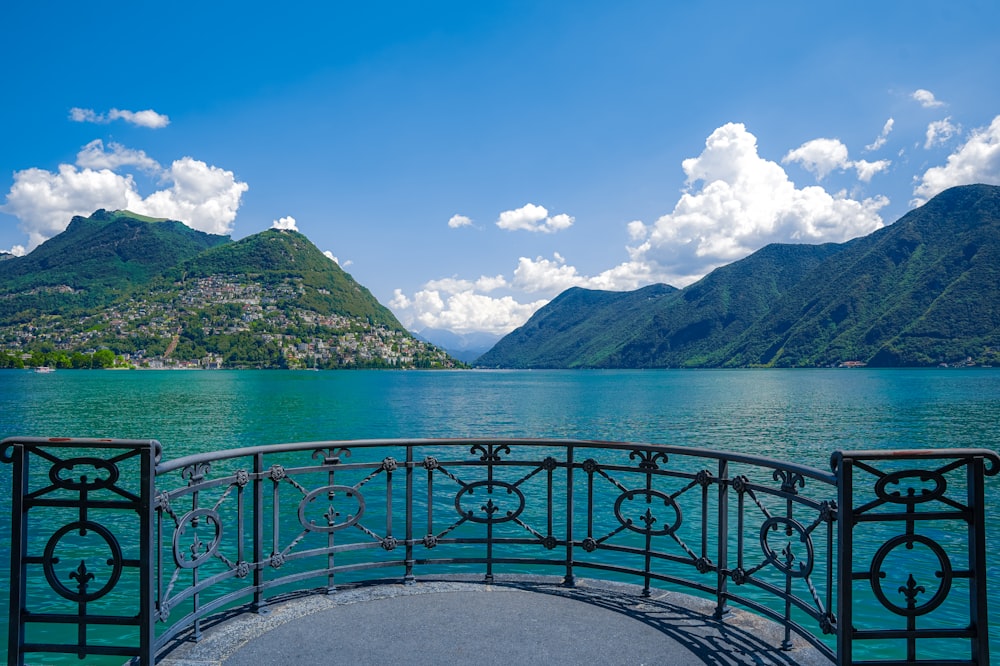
{"type": "Point", "coordinates": [922, 291]}
{"type": "Point", "coordinates": [162, 295]}
{"type": "Point", "coordinates": [105, 249]}
{"type": "Point", "coordinates": [93, 261]}
{"type": "Point", "coordinates": [275, 256]}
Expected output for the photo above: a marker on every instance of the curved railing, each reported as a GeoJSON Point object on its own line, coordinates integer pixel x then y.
{"type": "Point", "coordinates": [798, 545]}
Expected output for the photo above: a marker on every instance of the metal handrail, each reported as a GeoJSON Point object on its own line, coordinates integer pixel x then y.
{"type": "Point", "coordinates": [240, 526]}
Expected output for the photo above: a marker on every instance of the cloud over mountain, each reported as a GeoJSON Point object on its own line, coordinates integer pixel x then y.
{"type": "Point", "coordinates": [975, 161]}
{"type": "Point", "coordinates": [204, 197]}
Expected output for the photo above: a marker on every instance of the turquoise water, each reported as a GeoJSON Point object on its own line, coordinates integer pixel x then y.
{"type": "Point", "coordinates": [799, 415]}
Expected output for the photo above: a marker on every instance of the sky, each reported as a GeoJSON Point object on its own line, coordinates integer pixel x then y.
{"type": "Point", "coordinates": [468, 161]}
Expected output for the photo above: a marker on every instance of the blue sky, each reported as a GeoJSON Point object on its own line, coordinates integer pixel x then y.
{"type": "Point", "coordinates": [467, 161]}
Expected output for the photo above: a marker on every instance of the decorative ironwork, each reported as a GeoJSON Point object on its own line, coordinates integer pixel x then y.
{"type": "Point", "coordinates": [777, 537]}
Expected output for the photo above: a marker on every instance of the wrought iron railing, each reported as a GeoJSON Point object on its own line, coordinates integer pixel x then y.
{"type": "Point", "coordinates": [116, 552]}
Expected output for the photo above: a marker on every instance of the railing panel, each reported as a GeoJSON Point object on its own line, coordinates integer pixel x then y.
{"type": "Point", "coordinates": [80, 577]}
{"type": "Point", "coordinates": [912, 574]}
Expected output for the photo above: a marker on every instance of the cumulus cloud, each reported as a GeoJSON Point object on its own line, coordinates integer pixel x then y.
{"type": "Point", "coordinates": [204, 197]}
{"type": "Point", "coordinates": [975, 161]}
{"type": "Point", "coordinates": [533, 218]}
{"type": "Point", "coordinates": [461, 311]}
{"type": "Point", "coordinates": [940, 132]}
{"type": "Point", "coordinates": [926, 99]}
{"type": "Point", "coordinates": [881, 138]}
{"type": "Point", "coordinates": [285, 224]}
{"type": "Point", "coordinates": [95, 156]}
{"type": "Point", "coordinates": [44, 202]}
{"type": "Point", "coordinates": [822, 156]}
{"type": "Point", "coordinates": [147, 118]}
{"type": "Point", "coordinates": [457, 221]}
{"type": "Point", "coordinates": [744, 203]}
{"type": "Point", "coordinates": [18, 251]}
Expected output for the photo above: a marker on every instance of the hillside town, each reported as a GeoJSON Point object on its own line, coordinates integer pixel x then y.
{"type": "Point", "coordinates": [221, 321]}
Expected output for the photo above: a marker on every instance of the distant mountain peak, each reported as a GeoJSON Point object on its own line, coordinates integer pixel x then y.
{"type": "Point", "coordinates": [922, 291]}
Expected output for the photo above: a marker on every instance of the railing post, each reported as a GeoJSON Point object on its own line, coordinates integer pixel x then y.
{"type": "Point", "coordinates": [845, 544]}
{"type": "Point", "coordinates": [570, 579]}
{"type": "Point", "coordinates": [722, 563]}
{"type": "Point", "coordinates": [258, 533]}
{"type": "Point", "coordinates": [18, 570]}
{"type": "Point", "coordinates": [147, 577]}
{"type": "Point", "coordinates": [408, 578]}
{"type": "Point", "coordinates": [977, 561]}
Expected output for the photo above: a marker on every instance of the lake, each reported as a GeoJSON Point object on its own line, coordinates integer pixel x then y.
{"type": "Point", "coordinates": [799, 415]}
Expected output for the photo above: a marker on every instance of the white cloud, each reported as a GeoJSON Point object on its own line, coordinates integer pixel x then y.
{"type": "Point", "coordinates": [457, 221]}
{"type": "Point", "coordinates": [44, 202]}
{"type": "Point", "coordinates": [147, 118]}
{"type": "Point", "coordinates": [883, 137]}
{"type": "Point", "coordinates": [461, 311]}
{"type": "Point", "coordinates": [744, 203]}
{"type": "Point", "coordinates": [926, 99]}
{"type": "Point", "coordinates": [116, 156]}
{"type": "Point", "coordinates": [17, 251]}
{"type": "Point", "coordinates": [868, 169]}
{"type": "Point", "coordinates": [940, 132]}
{"type": "Point", "coordinates": [329, 255]}
{"type": "Point", "coordinates": [202, 196]}
{"type": "Point", "coordinates": [821, 156]}
{"type": "Point", "coordinates": [975, 161]}
{"type": "Point", "coordinates": [285, 224]}
{"type": "Point", "coordinates": [533, 218]}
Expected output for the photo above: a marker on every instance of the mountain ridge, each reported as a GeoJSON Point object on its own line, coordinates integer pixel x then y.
{"type": "Point", "coordinates": [922, 291]}
{"type": "Point", "coordinates": [156, 292]}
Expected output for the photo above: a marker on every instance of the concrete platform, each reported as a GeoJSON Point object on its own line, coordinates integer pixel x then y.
{"type": "Point", "coordinates": [515, 621]}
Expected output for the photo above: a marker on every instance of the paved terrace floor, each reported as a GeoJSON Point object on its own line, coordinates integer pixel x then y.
{"type": "Point", "coordinates": [513, 621]}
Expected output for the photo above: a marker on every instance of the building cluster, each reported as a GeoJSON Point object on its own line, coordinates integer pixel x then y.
{"type": "Point", "coordinates": [225, 321]}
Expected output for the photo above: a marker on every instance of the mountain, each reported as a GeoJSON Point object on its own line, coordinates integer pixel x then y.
{"type": "Point", "coordinates": [275, 256]}
{"type": "Point", "coordinates": [465, 347]}
{"type": "Point", "coordinates": [93, 261]}
{"type": "Point", "coordinates": [157, 293]}
{"type": "Point", "coordinates": [922, 291]}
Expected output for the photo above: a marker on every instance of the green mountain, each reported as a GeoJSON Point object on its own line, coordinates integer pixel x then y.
{"type": "Point", "coordinates": [923, 291]}
{"type": "Point", "coordinates": [157, 293]}
{"type": "Point", "coordinates": [93, 261]}
{"type": "Point", "coordinates": [277, 257]}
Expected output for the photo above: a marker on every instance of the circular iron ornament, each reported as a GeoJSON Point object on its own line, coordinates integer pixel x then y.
{"type": "Point", "coordinates": [911, 497]}
{"type": "Point", "coordinates": [589, 544]}
{"type": "Point", "coordinates": [549, 542]}
{"type": "Point", "coordinates": [430, 540]}
{"type": "Point", "coordinates": [82, 576]}
{"type": "Point", "coordinates": [739, 575]}
{"type": "Point", "coordinates": [912, 590]}
{"type": "Point", "coordinates": [55, 474]}
{"type": "Point", "coordinates": [389, 543]}
{"type": "Point", "coordinates": [490, 509]}
{"type": "Point", "coordinates": [197, 559]}
{"type": "Point", "coordinates": [648, 518]}
{"type": "Point", "coordinates": [242, 478]}
{"type": "Point", "coordinates": [703, 565]}
{"type": "Point", "coordinates": [329, 491]}
{"type": "Point", "coordinates": [784, 561]}
{"type": "Point", "coordinates": [242, 569]}
{"type": "Point", "coordinates": [431, 463]}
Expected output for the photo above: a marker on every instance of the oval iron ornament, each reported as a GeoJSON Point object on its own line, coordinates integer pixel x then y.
{"type": "Point", "coordinates": [490, 508]}
{"type": "Point", "coordinates": [648, 518]}
{"type": "Point", "coordinates": [911, 497]}
{"type": "Point", "coordinates": [331, 514]}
